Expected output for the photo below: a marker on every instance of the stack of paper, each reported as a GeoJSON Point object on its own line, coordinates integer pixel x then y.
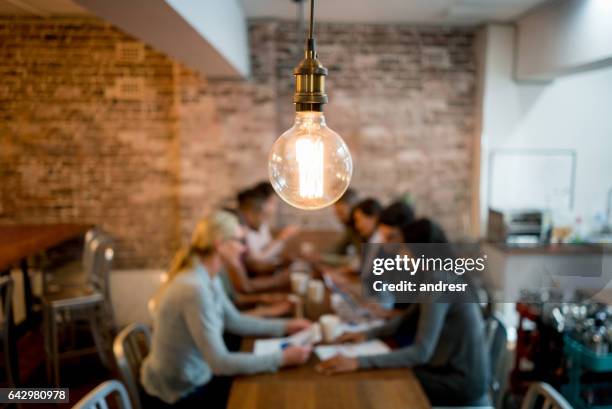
{"type": "Point", "coordinates": [361, 326]}
{"type": "Point", "coordinates": [308, 336]}
{"type": "Point", "coordinates": [373, 347]}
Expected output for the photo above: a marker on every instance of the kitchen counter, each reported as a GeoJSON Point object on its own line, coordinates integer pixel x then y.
{"type": "Point", "coordinates": [550, 249]}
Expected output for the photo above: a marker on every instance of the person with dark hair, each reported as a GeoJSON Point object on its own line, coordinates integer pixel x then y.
{"type": "Point", "coordinates": [265, 188]}
{"type": "Point", "coordinates": [255, 207]}
{"type": "Point", "coordinates": [448, 354]}
{"type": "Point", "coordinates": [342, 208]}
{"type": "Point", "coordinates": [250, 207]}
{"type": "Point", "coordinates": [252, 294]}
{"type": "Point", "coordinates": [424, 231]}
{"type": "Point", "coordinates": [398, 215]}
{"type": "Point", "coordinates": [271, 200]}
{"type": "Point", "coordinates": [364, 217]}
{"type": "Point", "coordinates": [360, 229]}
{"type": "Point", "coordinates": [344, 205]}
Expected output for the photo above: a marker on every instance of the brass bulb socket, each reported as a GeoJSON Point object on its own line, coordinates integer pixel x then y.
{"type": "Point", "coordinates": [310, 82]}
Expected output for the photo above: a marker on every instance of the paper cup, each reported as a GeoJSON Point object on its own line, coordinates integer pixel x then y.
{"type": "Point", "coordinates": [298, 305]}
{"type": "Point", "coordinates": [299, 283]}
{"type": "Point", "coordinates": [330, 324]}
{"type": "Point", "coordinates": [316, 291]}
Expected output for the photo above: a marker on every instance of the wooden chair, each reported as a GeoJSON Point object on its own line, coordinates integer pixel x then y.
{"type": "Point", "coordinates": [97, 398]}
{"type": "Point", "coordinates": [130, 348]}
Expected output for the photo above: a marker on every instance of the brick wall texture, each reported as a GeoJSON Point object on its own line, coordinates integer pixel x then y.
{"type": "Point", "coordinates": [97, 127]}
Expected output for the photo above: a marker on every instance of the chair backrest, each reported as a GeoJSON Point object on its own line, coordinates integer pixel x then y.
{"type": "Point", "coordinates": [130, 347]}
{"type": "Point", "coordinates": [543, 396]}
{"type": "Point", "coordinates": [6, 326]}
{"type": "Point", "coordinates": [6, 302]}
{"type": "Point", "coordinates": [497, 341]}
{"type": "Point", "coordinates": [97, 275]}
{"type": "Point", "coordinates": [103, 264]}
{"type": "Point", "coordinates": [97, 398]}
{"type": "Point", "coordinates": [88, 249]}
{"type": "Point", "coordinates": [101, 278]}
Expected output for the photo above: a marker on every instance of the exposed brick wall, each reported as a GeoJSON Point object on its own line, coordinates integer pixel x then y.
{"type": "Point", "coordinates": [72, 152]}
{"type": "Point", "coordinates": [146, 168]}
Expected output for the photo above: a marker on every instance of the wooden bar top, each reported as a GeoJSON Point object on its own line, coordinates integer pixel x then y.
{"type": "Point", "coordinates": [304, 388]}
{"type": "Point", "coordinates": [20, 241]}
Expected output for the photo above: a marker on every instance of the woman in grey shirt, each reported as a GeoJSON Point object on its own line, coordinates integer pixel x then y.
{"type": "Point", "coordinates": [188, 356]}
{"type": "Point", "coordinates": [448, 353]}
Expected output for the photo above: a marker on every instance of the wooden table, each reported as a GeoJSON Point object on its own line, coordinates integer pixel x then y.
{"type": "Point", "coordinates": [303, 387]}
{"type": "Point", "coordinates": [20, 241]}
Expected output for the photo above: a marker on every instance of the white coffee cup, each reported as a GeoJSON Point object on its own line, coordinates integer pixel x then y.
{"type": "Point", "coordinates": [316, 291]}
{"type": "Point", "coordinates": [299, 282]}
{"type": "Point", "coordinates": [330, 324]}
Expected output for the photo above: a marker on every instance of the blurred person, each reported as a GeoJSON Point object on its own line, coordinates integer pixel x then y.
{"type": "Point", "coordinates": [266, 305]}
{"type": "Point", "coordinates": [189, 363]}
{"type": "Point", "coordinates": [343, 257]}
{"type": "Point", "coordinates": [264, 252]}
{"type": "Point", "coordinates": [244, 288]}
{"type": "Point", "coordinates": [272, 201]}
{"type": "Point", "coordinates": [398, 215]}
{"type": "Point", "coordinates": [364, 218]}
{"type": "Point", "coordinates": [394, 221]}
{"type": "Point", "coordinates": [342, 209]}
{"type": "Point", "coordinates": [448, 353]}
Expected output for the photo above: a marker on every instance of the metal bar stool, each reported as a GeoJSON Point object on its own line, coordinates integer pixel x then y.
{"type": "Point", "coordinates": [78, 272]}
{"type": "Point", "coordinates": [77, 304]}
{"type": "Point", "coordinates": [9, 348]}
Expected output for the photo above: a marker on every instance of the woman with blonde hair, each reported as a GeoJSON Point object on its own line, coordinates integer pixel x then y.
{"type": "Point", "coordinates": [189, 361]}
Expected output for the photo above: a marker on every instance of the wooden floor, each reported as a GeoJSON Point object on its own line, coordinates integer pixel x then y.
{"type": "Point", "coordinates": [80, 375]}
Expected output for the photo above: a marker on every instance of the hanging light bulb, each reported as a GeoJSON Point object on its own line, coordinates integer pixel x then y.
{"type": "Point", "coordinates": [309, 165]}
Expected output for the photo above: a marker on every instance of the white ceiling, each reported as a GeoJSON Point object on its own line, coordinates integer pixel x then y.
{"type": "Point", "coordinates": [371, 11]}
{"type": "Point", "coordinates": [41, 8]}
{"type": "Point", "coordinates": [397, 11]}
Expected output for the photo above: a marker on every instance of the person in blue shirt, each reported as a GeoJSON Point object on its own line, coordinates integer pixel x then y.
{"type": "Point", "coordinates": [189, 363]}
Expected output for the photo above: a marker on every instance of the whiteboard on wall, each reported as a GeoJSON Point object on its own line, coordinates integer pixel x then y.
{"type": "Point", "coordinates": [531, 179]}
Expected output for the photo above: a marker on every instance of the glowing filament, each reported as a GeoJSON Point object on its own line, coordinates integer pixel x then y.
{"type": "Point", "coordinates": [309, 156]}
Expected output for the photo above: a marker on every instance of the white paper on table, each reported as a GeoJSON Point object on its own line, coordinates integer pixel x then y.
{"type": "Point", "coordinates": [373, 347]}
{"type": "Point", "coordinates": [362, 326]}
{"type": "Point", "coordinates": [308, 336]}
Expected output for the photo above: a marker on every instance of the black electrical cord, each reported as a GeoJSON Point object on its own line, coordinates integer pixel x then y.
{"type": "Point", "coordinates": [310, 34]}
